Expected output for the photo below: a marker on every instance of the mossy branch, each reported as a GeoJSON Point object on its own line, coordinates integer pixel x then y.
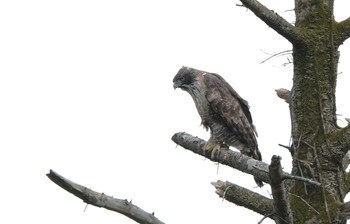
{"type": "Point", "coordinates": [244, 197]}
{"type": "Point", "coordinates": [101, 200]}
{"type": "Point", "coordinates": [275, 21]}
{"type": "Point", "coordinates": [343, 31]}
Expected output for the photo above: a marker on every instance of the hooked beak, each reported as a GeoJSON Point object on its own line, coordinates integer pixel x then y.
{"type": "Point", "coordinates": [177, 84]}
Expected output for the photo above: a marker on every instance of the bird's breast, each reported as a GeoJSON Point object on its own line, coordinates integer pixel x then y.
{"type": "Point", "coordinates": [202, 104]}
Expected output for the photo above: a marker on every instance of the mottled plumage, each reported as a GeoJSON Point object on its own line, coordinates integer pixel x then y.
{"type": "Point", "coordinates": [222, 111]}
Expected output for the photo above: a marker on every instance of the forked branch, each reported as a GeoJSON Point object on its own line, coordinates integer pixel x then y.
{"type": "Point", "coordinates": [101, 200]}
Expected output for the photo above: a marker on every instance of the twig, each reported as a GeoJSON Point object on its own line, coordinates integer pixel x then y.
{"type": "Point", "coordinates": [298, 162]}
{"type": "Point", "coordinates": [290, 149]}
{"type": "Point", "coordinates": [304, 202]}
{"type": "Point", "coordinates": [284, 146]}
{"type": "Point", "coordinates": [306, 180]}
{"type": "Point", "coordinates": [289, 176]}
{"type": "Point", "coordinates": [318, 167]}
{"type": "Point", "coordinates": [261, 220]}
{"type": "Point", "coordinates": [282, 53]}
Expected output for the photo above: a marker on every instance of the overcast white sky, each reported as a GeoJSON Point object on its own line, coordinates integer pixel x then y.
{"type": "Point", "coordinates": [86, 90]}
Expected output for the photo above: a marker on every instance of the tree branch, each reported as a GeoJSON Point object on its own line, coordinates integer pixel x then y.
{"type": "Point", "coordinates": [232, 159]}
{"type": "Point", "coordinates": [244, 197]}
{"type": "Point", "coordinates": [283, 94]}
{"type": "Point", "coordinates": [101, 200]}
{"type": "Point", "coordinates": [227, 157]}
{"type": "Point", "coordinates": [272, 19]}
{"type": "Point", "coordinates": [281, 205]}
{"type": "Point", "coordinates": [344, 31]}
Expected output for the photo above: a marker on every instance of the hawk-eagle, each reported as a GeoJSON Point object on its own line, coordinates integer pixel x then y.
{"type": "Point", "coordinates": [222, 111]}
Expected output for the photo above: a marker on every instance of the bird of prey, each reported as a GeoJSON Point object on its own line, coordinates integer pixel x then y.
{"type": "Point", "coordinates": [222, 111]}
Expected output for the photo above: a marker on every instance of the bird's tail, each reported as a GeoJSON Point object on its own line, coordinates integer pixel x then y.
{"type": "Point", "coordinates": [255, 154]}
{"type": "Point", "coordinates": [258, 182]}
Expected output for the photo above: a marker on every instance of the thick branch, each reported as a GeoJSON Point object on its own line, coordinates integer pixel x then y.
{"type": "Point", "coordinates": [101, 200]}
{"type": "Point", "coordinates": [281, 205]}
{"type": "Point", "coordinates": [244, 197]}
{"type": "Point", "coordinates": [232, 159]}
{"type": "Point", "coordinates": [272, 19]}
{"type": "Point", "coordinates": [225, 156]}
{"type": "Point", "coordinates": [344, 30]}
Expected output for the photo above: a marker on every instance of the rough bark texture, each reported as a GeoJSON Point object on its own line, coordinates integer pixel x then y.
{"type": "Point", "coordinates": [244, 197]}
{"type": "Point", "coordinates": [101, 200]}
{"type": "Point", "coordinates": [227, 157]}
{"type": "Point", "coordinates": [281, 204]}
{"type": "Point", "coordinates": [313, 113]}
{"type": "Point", "coordinates": [319, 145]}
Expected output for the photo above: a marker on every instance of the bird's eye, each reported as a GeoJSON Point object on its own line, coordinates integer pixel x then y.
{"type": "Point", "coordinates": [182, 78]}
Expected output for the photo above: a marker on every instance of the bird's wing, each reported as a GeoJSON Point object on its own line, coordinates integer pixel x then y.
{"type": "Point", "coordinates": [232, 108]}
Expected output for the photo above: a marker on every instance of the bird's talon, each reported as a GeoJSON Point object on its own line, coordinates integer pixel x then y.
{"type": "Point", "coordinates": [209, 148]}
{"type": "Point", "coordinates": [214, 150]}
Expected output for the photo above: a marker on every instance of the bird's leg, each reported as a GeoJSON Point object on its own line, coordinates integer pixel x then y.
{"type": "Point", "coordinates": [212, 146]}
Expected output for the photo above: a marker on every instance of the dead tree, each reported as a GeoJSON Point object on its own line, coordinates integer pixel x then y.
{"type": "Point", "coordinates": [315, 189]}
{"type": "Point", "coordinates": [319, 145]}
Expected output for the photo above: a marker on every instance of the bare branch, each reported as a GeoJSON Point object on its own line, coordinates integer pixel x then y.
{"type": "Point", "coordinates": [272, 19]}
{"type": "Point", "coordinates": [290, 149]}
{"type": "Point", "coordinates": [306, 180]}
{"type": "Point", "coordinates": [305, 202]}
{"type": "Point", "coordinates": [344, 31]}
{"type": "Point", "coordinates": [226, 156]}
{"type": "Point", "coordinates": [244, 197]}
{"type": "Point", "coordinates": [281, 205]}
{"type": "Point", "coordinates": [283, 94]}
{"type": "Point", "coordinates": [232, 159]}
{"type": "Point", "coordinates": [101, 200]}
{"type": "Point", "coordinates": [282, 53]}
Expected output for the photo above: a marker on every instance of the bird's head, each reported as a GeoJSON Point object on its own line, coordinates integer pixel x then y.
{"type": "Point", "coordinates": [184, 78]}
